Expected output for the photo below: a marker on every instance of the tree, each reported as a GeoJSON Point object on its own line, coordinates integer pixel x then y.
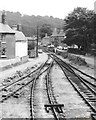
{"type": "Point", "coordinates": [46, 28]}
{"type": "Point", "coordinates": [79, 28]}
{"type": "Point", "coordinates": [31, 45]}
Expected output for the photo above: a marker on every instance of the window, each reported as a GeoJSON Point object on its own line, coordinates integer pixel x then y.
{"type": "Point", "coordinates": [3, 46]}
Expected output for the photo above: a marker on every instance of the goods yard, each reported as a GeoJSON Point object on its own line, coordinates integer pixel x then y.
{"type": "Point", "coordinates": [50, 88]}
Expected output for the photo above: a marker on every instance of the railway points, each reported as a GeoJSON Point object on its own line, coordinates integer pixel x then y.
{"type": "Point", "coordinates": [63, 101]}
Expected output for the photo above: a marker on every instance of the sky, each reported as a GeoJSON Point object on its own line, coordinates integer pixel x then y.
{"type": "Point", "coordinates": [55, 8]}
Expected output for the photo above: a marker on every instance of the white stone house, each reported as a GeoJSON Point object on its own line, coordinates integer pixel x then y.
{"type": "Point", "coordinates": [21, 44]}
{"type": "Point", "coordinates": [46, 40]}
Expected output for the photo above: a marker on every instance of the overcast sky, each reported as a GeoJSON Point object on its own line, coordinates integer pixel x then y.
{"type": "Point", "coordinates": [55, 8]}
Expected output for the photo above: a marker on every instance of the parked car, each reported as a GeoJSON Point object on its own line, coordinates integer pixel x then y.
{"type": "Point", "coordinates": [40, 51]}
{"type": "Point", "coordinates": [60, 47]}
{"type": "Point", "coordinates": [65, 48]}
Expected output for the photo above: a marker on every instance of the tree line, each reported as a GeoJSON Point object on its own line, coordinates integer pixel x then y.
{"type": "Point", "coordinates": [29, 23]}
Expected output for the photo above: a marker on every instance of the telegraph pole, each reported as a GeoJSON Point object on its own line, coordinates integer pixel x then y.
{"type": "Point", "coordinates": [37, 43]}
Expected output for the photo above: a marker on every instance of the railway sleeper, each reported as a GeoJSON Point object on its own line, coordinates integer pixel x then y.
{"type": "Point", "coordinates": [90, 95]}
{"type": "Point", "coordinates": [5, 89]}
{"type": "Point", "coordinates": [4, 94]}
{"type": "Point", "coordinates": [18, 94]}
{"type": "Point", "coordinates": [48, 64]}
{"type": "Point", "coordinates": [92, 98]}
{"type": "Point", "coordinates": [57, 107]}
{"type": "Point", "coordinates": [92, 101]}
{"type": "Point", "coordinates": [93, 115]}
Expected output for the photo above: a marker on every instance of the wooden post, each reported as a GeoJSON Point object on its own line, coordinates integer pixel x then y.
{"type": "Point", "coordinates": [37, 44]}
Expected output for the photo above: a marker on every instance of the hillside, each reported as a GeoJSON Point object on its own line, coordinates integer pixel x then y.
{"type": "Point", "coordinates": [29, 23]}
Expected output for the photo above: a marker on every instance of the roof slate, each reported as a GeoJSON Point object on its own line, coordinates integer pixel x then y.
{"type": "Point", "coordinates": [4, 28]}
{"type": "Point", "coordinates": [19, 36]}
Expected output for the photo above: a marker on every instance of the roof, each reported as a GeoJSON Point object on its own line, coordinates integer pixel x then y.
{"type": "Point", "coordinates": [61, 33]}
{"type": "Point", "coordinates": [4, 28]}
{"type": "Point", "coordinates": [31, 38]}
{"type": "Point", "coordinates": [55, 34]}
{"type": "Point", "coordinates": [46, 37]}
{"type": "Point", "coordinates": [19, 36]}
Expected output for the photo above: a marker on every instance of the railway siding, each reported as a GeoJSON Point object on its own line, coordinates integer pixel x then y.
{"type": "Point", "coordinates": [18, 107]}
{"type": "Point", "coordinates": [40, 99]}
{"type": "Point", "coordinates": [74, 106]}
{"type": "Point", "coordinates": [10, 72]}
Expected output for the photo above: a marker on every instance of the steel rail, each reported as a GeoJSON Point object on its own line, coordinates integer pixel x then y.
{"type": "Point", "coordinates": [33, 89]}
{"type": "Point", "coordinates": [49, 94]}
{"type": "Point", "coordinates": [22, 78]}
{"type": "Point", "coordinates": [75, 68]}
{"type": "Point", "coordinates": [83, 72]}
{"type": "Point", "coordinates": [78, 76]}
{"type": "Point", "coordinates": [11, 94]}
{"type": "Point", "coordinates": [62, 67]}
{"type": "Point", "coordinates": [51, 97]}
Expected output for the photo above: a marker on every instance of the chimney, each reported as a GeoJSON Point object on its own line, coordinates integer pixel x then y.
{"type": "Point", "coordinates": [3, 17]}
{"type": "Point", "coordinates": [46, 35]}
{"type": "Point", "coordinates": [19, 28]}
{"type": "Point", "coordinates": [0, 17]}
{"type": "Point", "coordinates": [14, 27]}
{"type": "Point", "coordinates": [95, 7]}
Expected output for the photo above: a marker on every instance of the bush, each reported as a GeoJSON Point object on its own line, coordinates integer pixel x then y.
{"type": "Point", "coordinates": [75, 51]}
{"type": "Point", "coordinates": [77, 60]}
{"type": "Point", "coordinates": [65, 55]}
{"type": "Point", "coordinates": [73, 58]}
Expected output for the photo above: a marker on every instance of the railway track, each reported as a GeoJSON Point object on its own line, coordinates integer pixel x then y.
{"type": "Point", "coordinates": [53, 104]}
{"type": "Point", "coordinates": [51, 100]}
{"type": "Point", "coordinates": [85, 88]}
{"type": "Point", "coordinates": [32, 92]}
{"type": "Point", "coordinates": [18, 81]}
{"type": "Point", "coordinates": [26, 80]}
{"type": "Point", "coordinates": [16, 92]}
{"type": "Point", "coordinates": [37, 73]}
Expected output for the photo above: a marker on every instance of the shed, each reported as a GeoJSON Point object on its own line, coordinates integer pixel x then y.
{"type": "Point", "coordinates": [32, 41]}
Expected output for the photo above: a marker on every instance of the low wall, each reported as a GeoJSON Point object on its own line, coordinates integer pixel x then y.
{"type": "Point", "coordinates": [9, 63]}
{"type": "Point", "coordinates": [24, 59]}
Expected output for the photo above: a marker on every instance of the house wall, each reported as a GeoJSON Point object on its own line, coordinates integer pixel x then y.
{"type": "Point", "coordinates": [45, 41]}
{"type": "Point", "coordinates": [10, 46]}
{"type": "Point", "coordinates": [7, 42]}
{"type": "Point", "coordinates": [21, 48]}
{"type": "Point", "coordinates": [57, 40]}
